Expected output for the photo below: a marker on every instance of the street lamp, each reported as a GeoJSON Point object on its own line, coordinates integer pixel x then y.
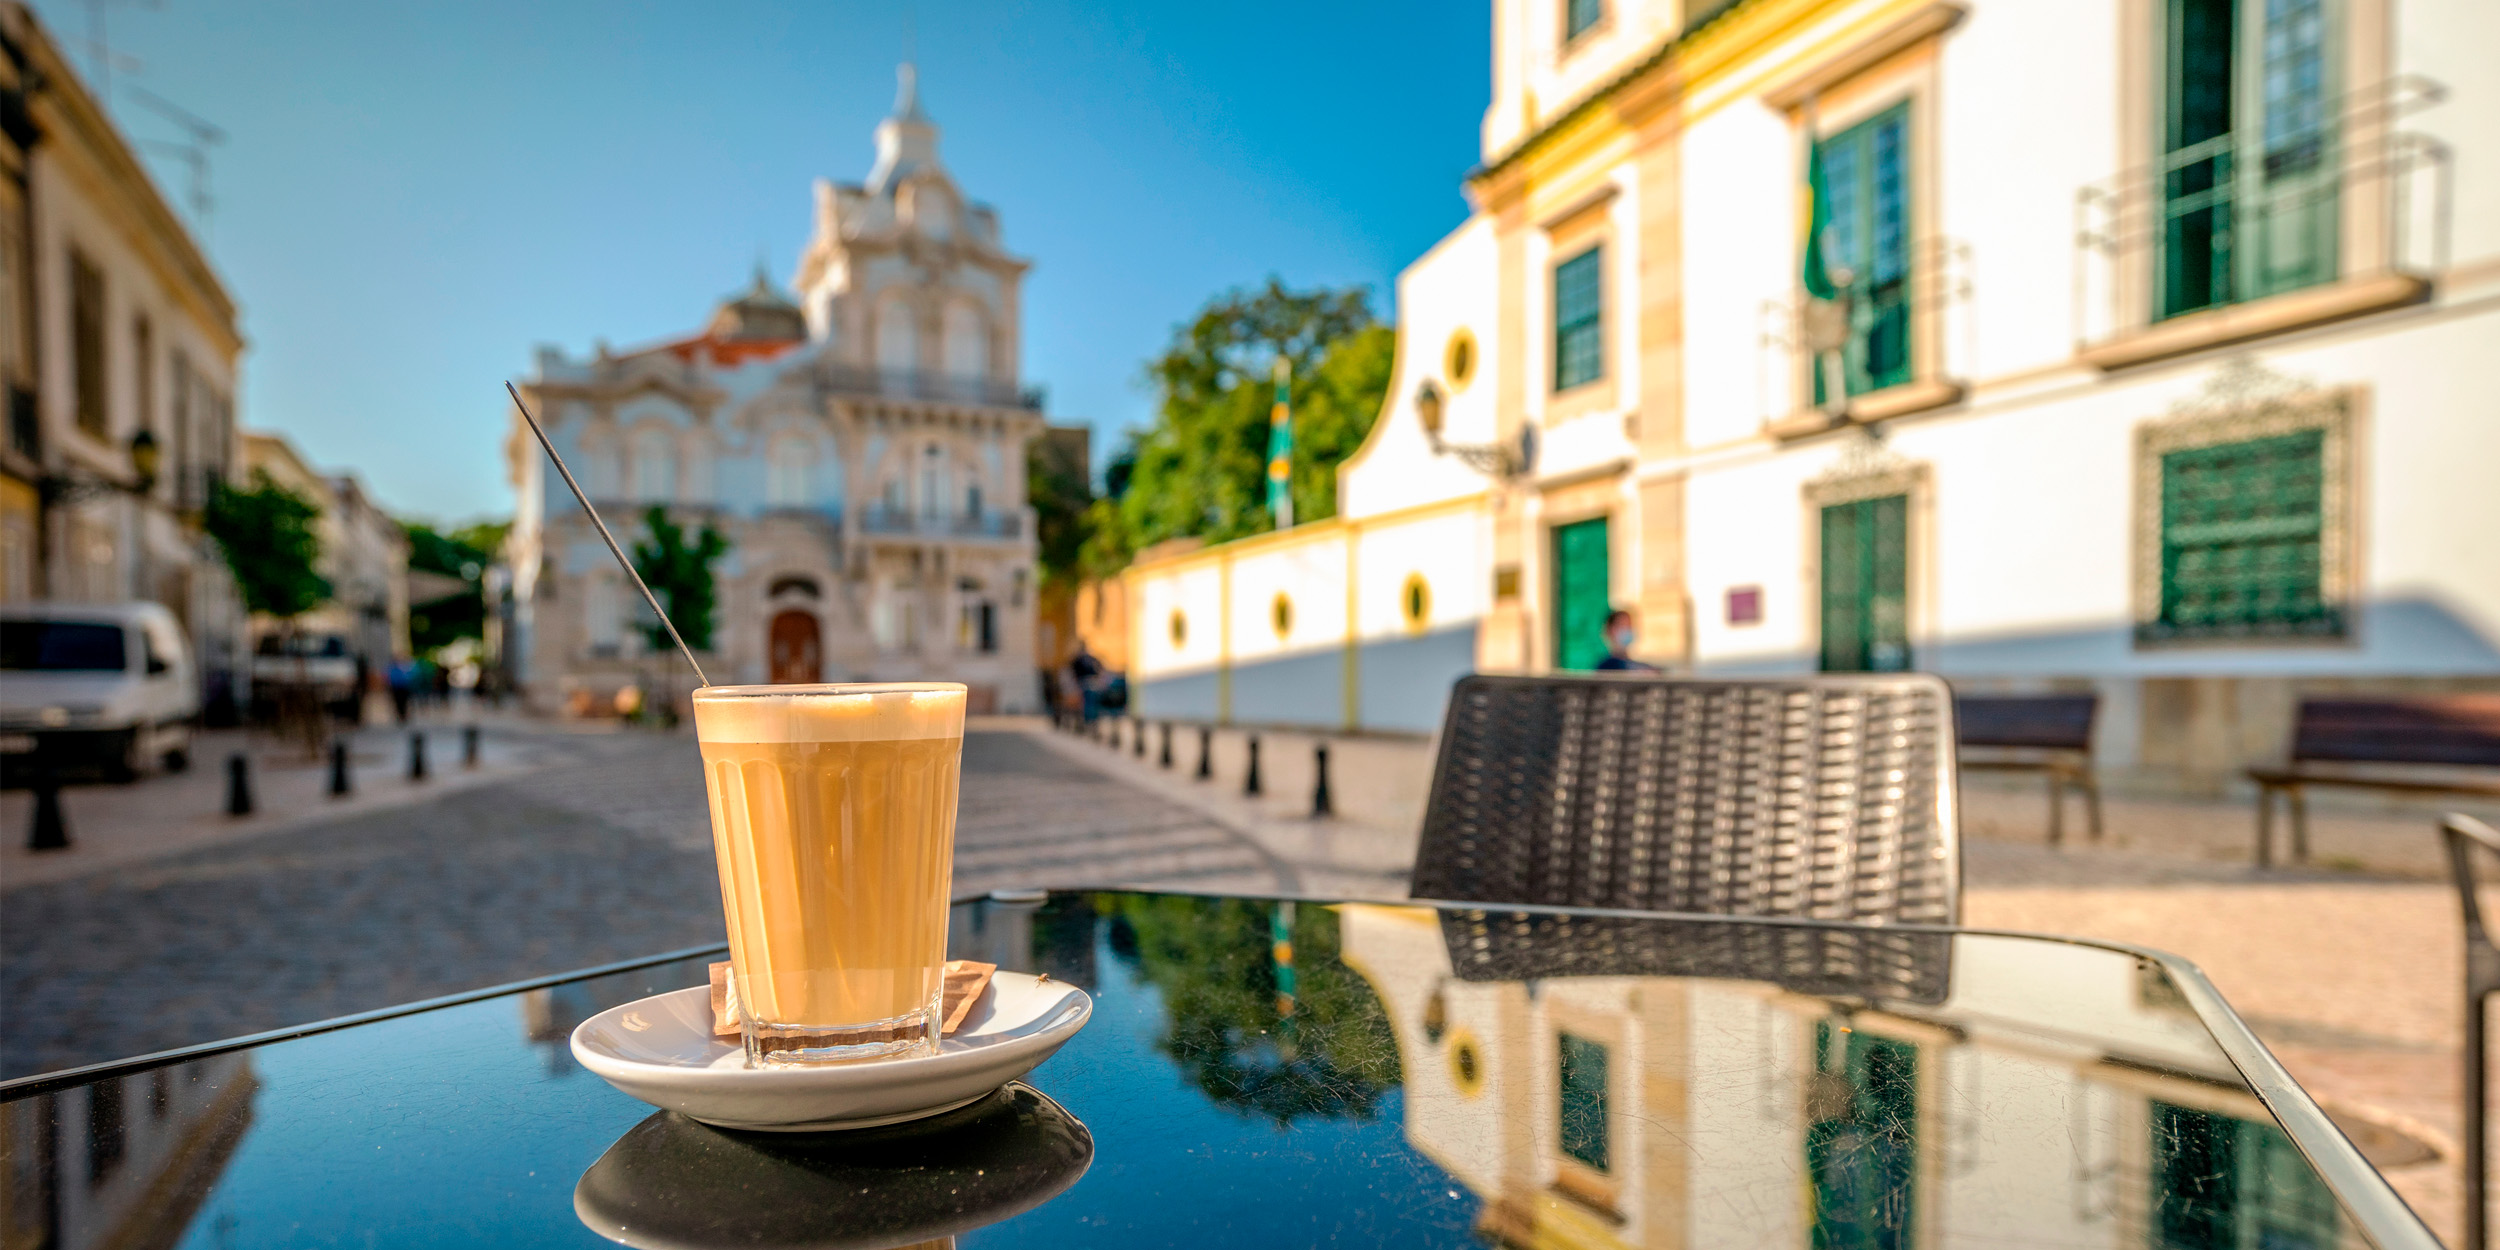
{"type": "Point", "coordinates": [1506, 461]}
{"type": "Point", "coordinates": [145, 459]}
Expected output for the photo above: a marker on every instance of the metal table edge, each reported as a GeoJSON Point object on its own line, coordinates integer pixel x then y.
{"type": "Point", "coordinates": [2384, 1217]}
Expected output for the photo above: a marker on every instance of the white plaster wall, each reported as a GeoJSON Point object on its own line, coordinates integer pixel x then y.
{"type": "Point", "coordinates": [1452, 286]}
{"type": "Point", "coordinates": [1197, 591]}
{"type": "Point", "coordinates": [1446, 549]}
{"type": "Point", "coordinates": [1312, 575]}
{"type": "Point", "coordinates": [1739, 241]}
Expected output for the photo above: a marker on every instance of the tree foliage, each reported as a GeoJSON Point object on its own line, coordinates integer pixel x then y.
{"type": "Point", "coordinates": [267, 534]}
{"type": "Point", "coordinates": [464, 553]}
{"type": "Point", "coordinates": [1061, 498]}
{"type": "Point", "coordinates": [681, 575]}
{"type": "Point", "coordinates": [1201, 471]}
{"type": "Point", "coordinates": [1214, 962]}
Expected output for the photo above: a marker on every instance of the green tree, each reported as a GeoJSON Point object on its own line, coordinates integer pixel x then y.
{"type": "Point", "coordinates": [681, 575]}
{"type": "Point", "coordinates": [1062, 502]}
{"type": "Point", "coordinates": [1201, 470]}
{"type": "Point", "coordinates": [1214, 962]}
{"type": "Point", "coordinates": [266, 532]}
{"type": "Point", "coordinates": [464, 553]}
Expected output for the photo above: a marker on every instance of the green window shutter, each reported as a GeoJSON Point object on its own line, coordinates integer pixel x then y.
{"type": "Point", "coordinates": [2223, 1183]}
{"type": "Point", "coordinates": [1865, 558]}
{"type": "Point", "coordinates": [1579, 15]}
{"type": "Point", "coordinates": [1579, 320]}
{"type": "Point", "coordinates": [1583, 597]}
{"type": "Point", "coordinates": [1863, 1153]}
{"type": "Point", "coordinates": [1585, 1135]}
{"type": "Point", "coordinates": [2241, 525]}
{"type": "Point", "coordinates": [1867, 189]}
{"type": "Point", "coordinates": [2249, 179]}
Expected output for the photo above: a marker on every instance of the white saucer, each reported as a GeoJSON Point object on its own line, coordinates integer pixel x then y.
{"type": "Point", "coordinates": [662, 1051]}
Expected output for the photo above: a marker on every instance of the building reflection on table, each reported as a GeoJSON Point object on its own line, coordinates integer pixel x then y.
{"type": "Point", "coordinates": [125, 1161]}
{"type": "Point", "coordinates": [1692, 1110]}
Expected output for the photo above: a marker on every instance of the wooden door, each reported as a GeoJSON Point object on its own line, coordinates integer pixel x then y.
{"type": "Point", "coordinates": [797, 649]}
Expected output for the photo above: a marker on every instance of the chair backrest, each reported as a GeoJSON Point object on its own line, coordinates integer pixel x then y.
{"type": "Point", "coordinates": [1826, 798]}
{"type": "Point", "coordinates": [2440, 729]}
{"type": "Point", "coordinates": [2049, 722]}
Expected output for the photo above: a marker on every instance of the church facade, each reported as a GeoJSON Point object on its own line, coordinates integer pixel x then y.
{"type": "Point", "coordinates": [861, 447]}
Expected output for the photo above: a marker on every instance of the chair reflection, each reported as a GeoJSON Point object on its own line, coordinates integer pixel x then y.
{"type": "Point", "coordinates": [1615, 1082]}
{"type": "Point", "coordinates": [671, 1181]}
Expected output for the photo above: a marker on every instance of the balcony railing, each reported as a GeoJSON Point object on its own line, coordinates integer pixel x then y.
{"type": "Point", "coordinates": [919, 384]}
{"type": "Point", "coordinates": [883, 520]}
{"type": "Point", "coordinates": [1897, 338]}
{"type": "Point", "coordinates": [2232, 219]}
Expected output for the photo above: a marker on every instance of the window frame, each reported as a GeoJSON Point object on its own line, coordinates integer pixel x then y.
{"type": "Point", "coordinates": [91, 374]}
{"type": "Point", "coordinates": [2246, 405]}
{"type": "Point", "coordinates": [1573, 28]}
{"type": "Point", "coordinates": [1859, 139]}
{"type": "Point", "coordinates": [1593, 259]}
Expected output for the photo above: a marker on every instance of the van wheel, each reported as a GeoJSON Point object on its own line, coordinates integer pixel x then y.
{"type": "Point", "coordinates": [178, 760]}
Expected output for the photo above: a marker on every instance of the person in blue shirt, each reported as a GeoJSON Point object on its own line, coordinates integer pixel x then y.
{"type": "Point", "coordinates": [1619, 634]}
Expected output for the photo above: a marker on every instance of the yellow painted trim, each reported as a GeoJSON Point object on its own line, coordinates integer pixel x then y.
{"type": "Point", "coordinates": [1350, 691]}
{"type": "Point", "coordinates": [1224, 642]}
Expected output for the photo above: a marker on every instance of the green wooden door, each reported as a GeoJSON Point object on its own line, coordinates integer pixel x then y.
{"type": "Point", "coordinates": [1867, 187]}
{"type": "Point", "coordinates": [1866, 615]}
{"type": "Point", "coordinates": [1582, 598]}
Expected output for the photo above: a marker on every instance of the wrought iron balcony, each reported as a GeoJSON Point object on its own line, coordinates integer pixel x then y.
{"type": "Point", "coordinates": [2352, 213]}
{"type": "Point", "coordinates": [1893, 331]}
{"type": "Point", "coordinates": [920, 384]}
{"type": "Point", "coordinates": [878, 519]}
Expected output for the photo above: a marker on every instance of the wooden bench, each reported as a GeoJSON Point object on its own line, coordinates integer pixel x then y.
{"type": "Point", "coordinates": [2445, 744]}
{"type": "Point", "coordinates": [2046, 733]}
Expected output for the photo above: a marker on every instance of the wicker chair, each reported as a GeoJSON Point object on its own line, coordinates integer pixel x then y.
{"type": "Point", "coordinates": [1824, 798]}
{"type": "Point", "coordinates": [2464, 836]}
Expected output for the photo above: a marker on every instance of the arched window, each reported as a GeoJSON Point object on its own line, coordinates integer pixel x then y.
{"type": "Point", "coordinates": [603, 474]}
{"type": "Point", "coordinates": [967, 342]}
{"type": "Point", "coordinates": [898, 337]}
{"type": "Point", "coordinates": [933, 482]}
{"type": "Point", "coordinates": [655, 467]}
{"type": "Point", "coordinates": [789, 470]}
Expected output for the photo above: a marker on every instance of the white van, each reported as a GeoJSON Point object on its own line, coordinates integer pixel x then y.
{"type": "Point", "coordinates": [95, 685]}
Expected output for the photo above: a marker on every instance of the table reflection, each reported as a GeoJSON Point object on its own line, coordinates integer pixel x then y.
{"type": "Point", "coordinates": [124, 1161]}
{"type": "Point", "coordinates": [1696, 1084]}
{"type": "Point", "coordinates": [677, 1183]}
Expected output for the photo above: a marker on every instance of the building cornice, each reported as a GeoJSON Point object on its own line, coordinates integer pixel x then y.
{"type": "Point", "coordinates": [96, 156]}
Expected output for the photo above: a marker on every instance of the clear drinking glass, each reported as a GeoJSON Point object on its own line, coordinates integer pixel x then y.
{"type": "Point", "coordinates": [833, 818]}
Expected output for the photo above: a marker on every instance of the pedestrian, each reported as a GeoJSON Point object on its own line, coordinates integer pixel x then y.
{"type": "Point", "coordinates": [1620, 631]}
{"type": "Point", "coordinates": [1087, 672]}
{"type": "Point", "coordinates": [403, 679]}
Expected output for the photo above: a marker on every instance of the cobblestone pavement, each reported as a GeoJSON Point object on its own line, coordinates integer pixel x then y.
{"type": "Point", "coordinates": [602, 857]}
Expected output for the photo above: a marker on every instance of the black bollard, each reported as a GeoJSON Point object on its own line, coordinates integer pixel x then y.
{"type": "Point", "coordinates": [416, 756]}
{"type": "Point", "coordinates": [238, 785]}
{"type": "Point", "coordinates": [1137, 739]}
{"type": "Point", "coordinates": [1167, 746]}
{"type": "Point", "coordinates": [1206, 752]}
{"type": "Point", "coordinates": [50, 831]}
{"type": "Point", "coordinates": [468, 746]}
{"type": "Point", "coordinates": [1322, 803]}
{"type": "Point", "coordinates": [342, 782]}
{"type": "Point", "coordinates": [1250, 780]}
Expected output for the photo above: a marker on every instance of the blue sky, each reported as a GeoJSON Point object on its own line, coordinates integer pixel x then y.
{"type": "Point", "coordinates": [413, 195]}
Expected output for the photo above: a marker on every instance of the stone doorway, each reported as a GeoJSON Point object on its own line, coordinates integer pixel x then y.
{"type": "Point", "coordinates": [796, 647]}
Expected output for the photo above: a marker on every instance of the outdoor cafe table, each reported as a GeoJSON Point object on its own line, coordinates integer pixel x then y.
{"type": "Point", "coordinates": [1272, 1073]}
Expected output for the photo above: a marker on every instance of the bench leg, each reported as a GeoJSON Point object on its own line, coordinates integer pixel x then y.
{"type": "Point", "coordinates": [2300, 826]}
{"type": "Point", "coordinates": [2057, 808]}
{"type": "Point", "coordinates": [2092, 801]}
{"type": "Point", "coordinates": [2265, 825]}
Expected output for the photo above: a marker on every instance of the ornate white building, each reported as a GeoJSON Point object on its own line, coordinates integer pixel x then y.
{"type": "Point", "coordinates": [862, 449]}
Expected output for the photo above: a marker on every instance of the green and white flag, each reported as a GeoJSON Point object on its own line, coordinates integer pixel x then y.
{"type": "Point", "coordinates": [1280, 447]}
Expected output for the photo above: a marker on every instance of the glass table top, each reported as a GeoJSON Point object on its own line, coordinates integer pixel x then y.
{"type": "Point", "coordinates": [1285, 1073]}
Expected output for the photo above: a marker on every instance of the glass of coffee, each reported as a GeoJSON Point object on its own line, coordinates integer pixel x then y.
{"type": "Point", "coordinates": [833, 817]}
